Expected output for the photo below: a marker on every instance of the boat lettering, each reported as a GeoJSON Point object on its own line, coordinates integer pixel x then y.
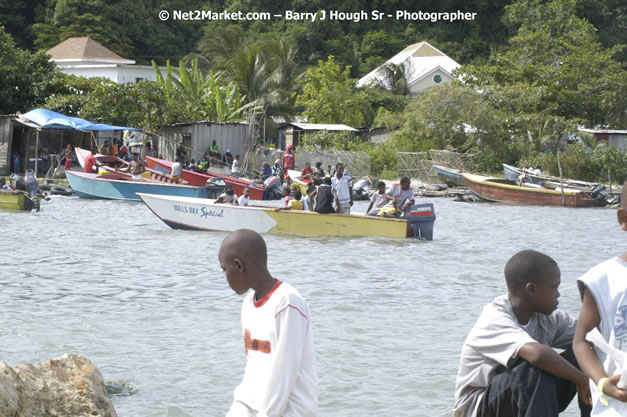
{"type": "Point", "coordinates": [204, 212]}
{"type": "Point", "coordinates": [182, 209]}
{"type": "Point", "coordinates": [185, 209]}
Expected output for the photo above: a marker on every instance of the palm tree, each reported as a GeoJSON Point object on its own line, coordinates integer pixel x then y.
{"type": "Point", "coordinates": [393, 77]}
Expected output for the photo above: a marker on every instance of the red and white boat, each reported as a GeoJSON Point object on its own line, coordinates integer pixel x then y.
{"type": "Point", "coordinates": [200, 179]}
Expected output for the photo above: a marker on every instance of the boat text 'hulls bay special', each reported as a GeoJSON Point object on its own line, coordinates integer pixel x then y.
{"type": "Point", "coordinates": [204, 214]}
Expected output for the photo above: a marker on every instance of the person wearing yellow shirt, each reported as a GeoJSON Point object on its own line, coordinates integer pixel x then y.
{"type": "Point", "coordinates": [294, 204]}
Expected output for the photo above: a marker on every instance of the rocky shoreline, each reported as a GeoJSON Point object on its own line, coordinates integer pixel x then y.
{"type": "Point", "coordinates": [70, 385]}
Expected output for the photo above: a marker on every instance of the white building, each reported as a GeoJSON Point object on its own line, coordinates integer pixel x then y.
{"type": "Point", "coordinates": [425, 66]}
{"type": "Point", "coordinates": [87, 58]}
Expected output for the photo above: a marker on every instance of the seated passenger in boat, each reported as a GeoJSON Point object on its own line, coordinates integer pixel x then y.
{"type": "Point", "coordinates": [307, 171]}
{"type": "Point", "coordinates": [401, 197]}
{"type": "Point", "coordinates": [319, 172]}
{"type": "Point", "coordinates": [266, 172]}
{"type": "Point", "coordinates": [228, 196]}
{"type": "Point", "coordinates": [286, 196]}
{"type": "Point", "coordinates": [308, 200]}
{"type": "Point", "coordinates": [324, 197]}
{"type": "Point", "coordinates": [3, 184]}
{"type": "Point", "coordinates": [244, 199]}
{"type": "Point", "coordinates": [293, 204]}
{"type": "Point", "coordinates": [379, 200]}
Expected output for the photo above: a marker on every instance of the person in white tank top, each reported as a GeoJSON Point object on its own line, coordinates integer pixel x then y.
{"type": "Point", "coordinates": [603, 290]}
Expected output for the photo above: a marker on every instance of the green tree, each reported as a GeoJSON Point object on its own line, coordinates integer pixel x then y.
{"type": "Point", "coordinates": [26, 80]}
{"type": "Point", "coordinates": [329, 95]}
{"type": "Point", "coordinates": [71, 93]}
{"type": "Point", "coordinates": [554, 65]}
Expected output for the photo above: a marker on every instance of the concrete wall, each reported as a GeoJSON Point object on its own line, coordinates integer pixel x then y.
{"type": "Point", "coordinates": [119, 74]}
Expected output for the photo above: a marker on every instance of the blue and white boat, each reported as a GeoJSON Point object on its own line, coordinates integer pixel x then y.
{"type": "Point", "coordinates": [117, 187]}
{"type": "Point", "coordinates": [513, 174]}
{"type": "Point", "coordinates": [451, 176]}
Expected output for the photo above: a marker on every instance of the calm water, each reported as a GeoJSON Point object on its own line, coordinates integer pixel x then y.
{"type": "Point", "coordinates": [151, 307]}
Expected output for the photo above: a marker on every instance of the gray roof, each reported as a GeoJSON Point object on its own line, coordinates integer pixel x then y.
{"type": "Point", "coordinates": [317, 126]}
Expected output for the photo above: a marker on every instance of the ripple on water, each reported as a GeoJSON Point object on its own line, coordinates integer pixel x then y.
{"type": "Point", "coordinates": [151, 306]}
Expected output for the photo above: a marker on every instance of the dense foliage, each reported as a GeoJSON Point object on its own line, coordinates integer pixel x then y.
{"type": "Point", "coordinates": [533, 71]}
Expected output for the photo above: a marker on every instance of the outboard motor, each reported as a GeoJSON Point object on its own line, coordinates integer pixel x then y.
{"type": "Point", "coordinates": [215, 186]}
{"type": "Point", "coordinates": [32, 188]}
{"type": "Point", "coordinates": [361, 189]}
{"type": "Point", "coordinates": [273, 187]}
{"type": "Point", "coordinates": [421, 218]}
{"type": "Point", "coordinates": [17, 182]}
{"type": "Point", "coordinates": [598, 192]}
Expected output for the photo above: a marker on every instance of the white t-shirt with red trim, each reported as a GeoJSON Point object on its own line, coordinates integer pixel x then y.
{"type": "Point", "coordinates": [280, 378]}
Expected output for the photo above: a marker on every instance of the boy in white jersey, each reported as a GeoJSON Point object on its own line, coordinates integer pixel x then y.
{"type": "Point", "coordinates": [280, 377]}
{"type": "Point", "coordinates": [604, 293]}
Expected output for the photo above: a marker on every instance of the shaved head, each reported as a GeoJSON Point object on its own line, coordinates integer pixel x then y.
{"type": "Point", "coordinates": [245, 245]}
{"type": "Point", "coordinates": [528, 266]}
{"type": "Point", "coordinates": [243, 257]}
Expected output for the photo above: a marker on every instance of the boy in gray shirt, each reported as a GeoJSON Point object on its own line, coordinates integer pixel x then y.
{"type": "Point", "coordinates": [508, 366]}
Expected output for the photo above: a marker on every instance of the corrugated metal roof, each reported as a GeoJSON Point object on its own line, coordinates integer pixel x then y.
{"type": "Point", "coordinates": [316, 126]}
{"type": "Point", "coordinates": [605, 131]}
{"type": "Point", "coordinates": [207, 122]}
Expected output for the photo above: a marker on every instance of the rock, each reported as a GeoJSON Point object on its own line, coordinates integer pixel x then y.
{"type": "Point", "coordinates": [70, 385]}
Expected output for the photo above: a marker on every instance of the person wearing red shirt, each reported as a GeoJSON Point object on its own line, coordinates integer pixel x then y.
{"type": "Point", "coordinates": [288, 160]}
{"type": "Point", "coordinates": [307, 171]}
{"type": "Point", "coordinates": [90, 161]}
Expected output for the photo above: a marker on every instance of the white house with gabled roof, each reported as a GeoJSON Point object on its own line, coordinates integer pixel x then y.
{"type": "Point", "coordinates": [87, 58]}
{"type": "Point", "coordinates": [425, 66]}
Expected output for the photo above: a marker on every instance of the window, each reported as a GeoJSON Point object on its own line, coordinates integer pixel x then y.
{"type": "Point", "coordinates": [138, 79]}
{"type": "Point", "coordinates": [437, 78]}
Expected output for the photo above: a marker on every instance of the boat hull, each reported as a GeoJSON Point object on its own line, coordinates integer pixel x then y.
{"type": "Point", "coordinates": [298, 181]}
{"type": "Point", "coordinates": [200, 180]}
{"type": "Point", "coordinates": [87, 185]}
{"type": "Point", "coordinates": [450, 175]}
{"type": "Point", "coordinates": [202, 214]}
{"type": "Point", "coordinates": [489, 189]}
{"type": "Point", "coordinates": [15, 200]}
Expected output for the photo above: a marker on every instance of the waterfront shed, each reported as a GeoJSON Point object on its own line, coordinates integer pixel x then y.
{"type": "Point", "coordinates": [616, 138]}
{"type": "Point", "coordinates": [29, 140]}
{"type": "Point", "coordinates": [196, 137]}
{"type": "Point", "coordinates": [292, 133]}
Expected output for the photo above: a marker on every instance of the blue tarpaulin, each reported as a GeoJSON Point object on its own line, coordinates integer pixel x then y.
{"type": "Point", "coordinates": [48, 119]}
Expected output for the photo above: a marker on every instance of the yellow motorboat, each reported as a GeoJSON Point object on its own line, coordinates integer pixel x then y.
{"type": "Point", "coordinates": [16, 200]}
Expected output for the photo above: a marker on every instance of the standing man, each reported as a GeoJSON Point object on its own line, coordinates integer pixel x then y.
{"type": "Point", "coordinates": [342, 185]}
{"type": "Point", "coordinates": [288, 162]}
{"type": "Point", "coordinates": [235, 167]}
{"type": "Point", "coordinates": [280, 377]}
{"type": "Point", "coordinates": [90, 164]}
{"type": "Point", "coordinates": [68, 157]}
